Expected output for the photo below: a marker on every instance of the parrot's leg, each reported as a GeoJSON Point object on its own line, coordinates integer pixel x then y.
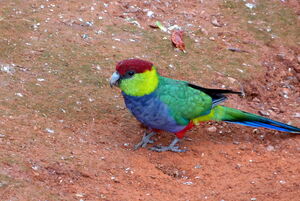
{"type": "Point", "coordinates": [145, 140]}
{"type": "Point", "coordinates": [171, 147]}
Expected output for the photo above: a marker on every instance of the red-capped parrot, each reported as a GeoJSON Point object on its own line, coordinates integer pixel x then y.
{"type": "Point", "coordinates": [161, 103]}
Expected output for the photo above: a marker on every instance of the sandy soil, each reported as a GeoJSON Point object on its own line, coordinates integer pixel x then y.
{"type": "Point", "coordinates": [66, 135]}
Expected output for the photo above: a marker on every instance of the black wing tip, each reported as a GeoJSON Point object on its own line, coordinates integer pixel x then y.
{"type": "Point", "coordinates": [215, 91]}
{"type": "Point", "coordinates": [239, 93]}
{"type": "Point", "coordinates": [232, 92]}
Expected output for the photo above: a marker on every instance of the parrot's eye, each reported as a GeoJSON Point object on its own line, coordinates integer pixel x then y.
{"type": "Point", "coordinates": [130, 73]}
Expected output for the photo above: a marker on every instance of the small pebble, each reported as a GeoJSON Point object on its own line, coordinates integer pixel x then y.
{"type": "Point", "coordinates": [212, 129]}
{"type": "Point", "coordinates": [19, 94]}
{"type": "Point", "coordinates": [84, 36]}
{"type": "Point", "coordinates": [80, 195]}
{"type": "Point", "coordinates": [171, 66]}
{"type": "Point", "coordinates": [297, 115]}
{"type": "Point", "coordinates": [270, 148]}
{"type": "Point", "coordinates": [99, 32]}
{"type": "Point", "coordinates": [40, 79]}
{"type": "Point", "coordinates": [250, 5]}
{"type": "Point", "coordinates": [49, 130]}
{"type": "Point", "coordinates": [238, 166]}
{"type": "Point", "coordinates": [89, 24]}
{"type": "Point", "coordinates": [7, 68]}
{"type": "Point", "coordinates": [265, 113]}
{"type": "Point", "coordinates": [188, 183]}
{"type": "Point", "coordinates": [150, 13]}
{"type": "Point", "coordinates": [174, 27]}
{"type": "Point", "coordinates": [198, 166]}
{"type": "Point", "coordinates": [282, 182]}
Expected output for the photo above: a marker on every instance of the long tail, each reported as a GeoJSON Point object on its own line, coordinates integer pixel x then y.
{"type": "Point", "coordinates": [222, 113]}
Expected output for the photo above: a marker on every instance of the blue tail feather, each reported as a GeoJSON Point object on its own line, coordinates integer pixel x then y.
{"type": "Point", "coordinates": [248, 119]}
{"type": "Point", "coordinates": [268, 123]}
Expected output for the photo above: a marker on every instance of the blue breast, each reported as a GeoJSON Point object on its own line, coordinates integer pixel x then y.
{"type": "Point", "coordinates": [153, 113]}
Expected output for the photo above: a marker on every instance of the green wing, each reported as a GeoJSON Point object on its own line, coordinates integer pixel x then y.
{"type": "Point", "coordinates": [185, 102]}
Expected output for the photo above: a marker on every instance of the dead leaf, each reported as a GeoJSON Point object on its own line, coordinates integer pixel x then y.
{"type": "Point", "coordinates": [177, 39]}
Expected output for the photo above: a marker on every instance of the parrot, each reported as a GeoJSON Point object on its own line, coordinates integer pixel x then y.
{"type": "Point", "coordinates": [164, 104]}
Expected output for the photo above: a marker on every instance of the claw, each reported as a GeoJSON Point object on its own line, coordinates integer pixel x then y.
{"type": "Point", "coordinates": [171, 147]}
{"type": "Point", "coordinates": [145, 140]}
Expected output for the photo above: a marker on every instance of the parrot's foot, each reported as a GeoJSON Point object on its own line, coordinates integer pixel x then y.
{"type": "Point", "coordinates": [167, 148]}
{"type": "Point", "coordinates": [145, 140]}
{"type": "Point", "coordinates": [171, 147]}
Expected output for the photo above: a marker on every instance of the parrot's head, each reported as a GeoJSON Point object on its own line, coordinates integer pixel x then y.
{"type": "Point", "coordinates": [135, 77]}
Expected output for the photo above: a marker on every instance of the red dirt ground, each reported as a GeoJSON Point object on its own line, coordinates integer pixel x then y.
{"type": "Point", "coordinates": [66, 135]}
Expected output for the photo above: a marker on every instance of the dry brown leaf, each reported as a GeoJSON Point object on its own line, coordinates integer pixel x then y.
{"type": "Point", "coordinates": [177, 39]}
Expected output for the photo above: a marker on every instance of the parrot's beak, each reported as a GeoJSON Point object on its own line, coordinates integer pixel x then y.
{"type": "Point", "coordinates": [115, 79]}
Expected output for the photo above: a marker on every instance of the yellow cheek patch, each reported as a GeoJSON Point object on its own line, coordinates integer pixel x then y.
{"type": "Point", "coordinates": [141, 83]}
